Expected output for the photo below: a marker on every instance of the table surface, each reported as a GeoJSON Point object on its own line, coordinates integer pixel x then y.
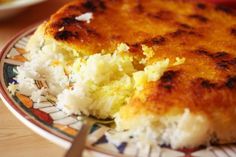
{"type": "Point", "coordinates": [15, 138]}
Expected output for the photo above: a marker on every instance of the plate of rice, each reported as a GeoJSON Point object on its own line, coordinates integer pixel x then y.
{"type": "Point", "coordinates": [51, 90]}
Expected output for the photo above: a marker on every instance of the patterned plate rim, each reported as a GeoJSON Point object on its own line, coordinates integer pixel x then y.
{"type": "Point", "coordinates": [29, 121]}
{"type": "Point", "coordinates": [10, 104]}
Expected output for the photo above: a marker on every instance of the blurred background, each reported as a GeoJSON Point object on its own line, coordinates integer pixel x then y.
{"type": "Point", "coordinates": [16, 15]}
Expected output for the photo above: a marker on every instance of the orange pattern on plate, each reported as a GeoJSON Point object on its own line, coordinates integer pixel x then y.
{"type": "Point", "coordinates": [66, 129]}
{"type": "Point", "coordinates": [27, 102]}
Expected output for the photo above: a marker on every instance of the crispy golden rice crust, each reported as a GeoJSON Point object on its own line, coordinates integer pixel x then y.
{"type": "Point", "coordinates": [202, 33]}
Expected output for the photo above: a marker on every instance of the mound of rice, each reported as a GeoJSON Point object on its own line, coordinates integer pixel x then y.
{"type": "Point", "coordinates": [102, 85]}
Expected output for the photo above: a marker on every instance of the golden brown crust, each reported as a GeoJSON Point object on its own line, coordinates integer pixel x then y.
{"type": "Point", "coordinates": [204, 34]}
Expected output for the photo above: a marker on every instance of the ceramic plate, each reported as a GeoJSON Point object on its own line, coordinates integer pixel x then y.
{"type": "Point", "coordinates": [50, 122]}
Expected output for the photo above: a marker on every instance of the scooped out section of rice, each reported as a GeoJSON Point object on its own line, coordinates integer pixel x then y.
{"type": "Point", "coordinates": [102, 84]}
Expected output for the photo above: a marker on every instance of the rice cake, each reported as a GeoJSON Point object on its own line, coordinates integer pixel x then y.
{"type": "Point", "coordinates": [192, 103]}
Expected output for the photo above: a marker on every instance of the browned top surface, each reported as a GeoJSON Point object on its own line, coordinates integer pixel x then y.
{"type": "Point", "coordinates": [204, 34]}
